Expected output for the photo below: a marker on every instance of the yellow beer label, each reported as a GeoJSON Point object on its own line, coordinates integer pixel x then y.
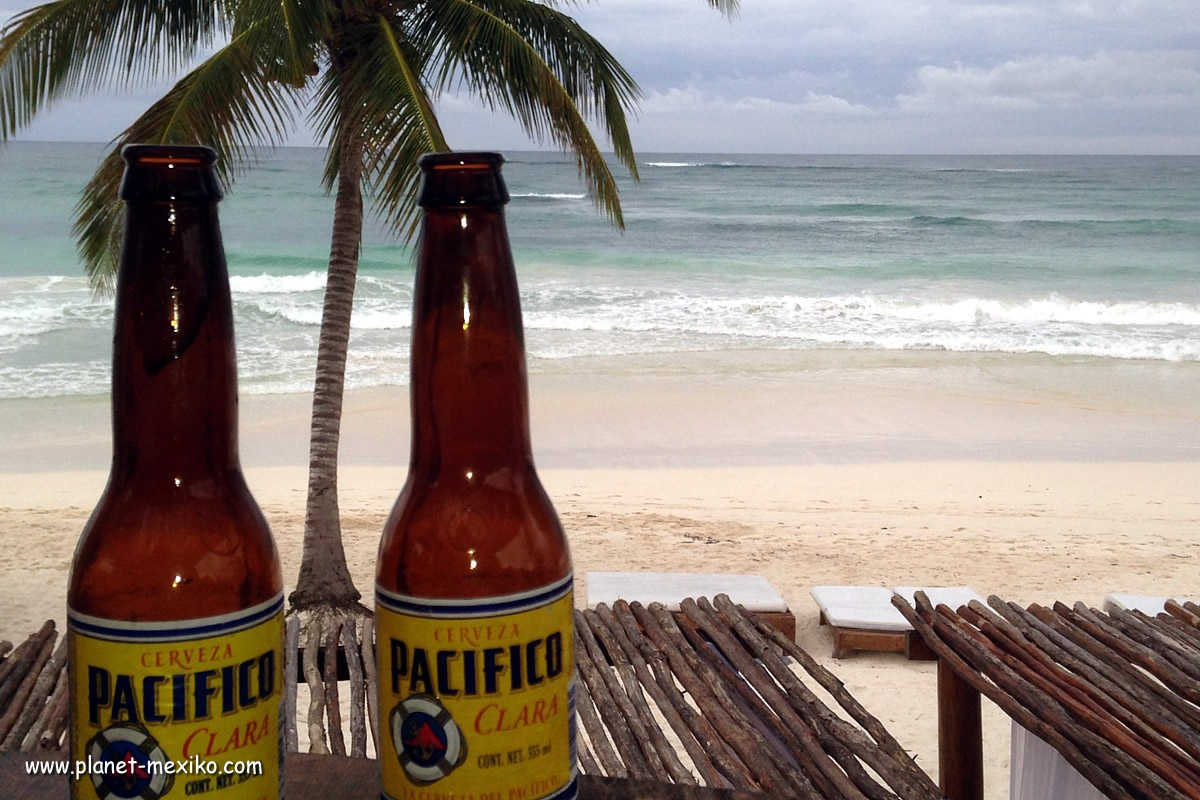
{"type": "Point", "coordinates": [477, 696]}
{"type": "Point", "coordinates": [188, 708]}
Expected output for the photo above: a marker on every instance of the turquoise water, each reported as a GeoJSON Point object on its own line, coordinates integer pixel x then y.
{"type": "Point", "coordinates": [1094, 257]}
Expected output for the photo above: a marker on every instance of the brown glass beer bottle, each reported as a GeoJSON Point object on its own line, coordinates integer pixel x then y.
{"type": "Point", "coordinates": [473, 586]}
{"type": "Point", "coordinates": [175, 600]}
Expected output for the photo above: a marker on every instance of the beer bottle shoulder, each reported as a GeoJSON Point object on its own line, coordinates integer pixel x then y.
{"type": "Point", "coordinates": [469, 535]}
{"type": "Point", "coordinates": [159, 552]}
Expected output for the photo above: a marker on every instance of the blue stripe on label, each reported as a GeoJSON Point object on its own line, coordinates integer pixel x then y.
{"type": "Point", "coordinates": [571, 790]}
{"type": "Point", "coordinates": [119, 631]}
{"type": "Point", "coordinates": [473, 607]}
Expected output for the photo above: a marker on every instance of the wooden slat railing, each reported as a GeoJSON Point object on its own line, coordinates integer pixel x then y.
{"type": "Point", "coordinates": [703, 698]}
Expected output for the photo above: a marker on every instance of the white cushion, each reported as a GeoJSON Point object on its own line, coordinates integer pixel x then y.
{"type": "Point", "coordinates": [828, 597]}
{"type": "Point", "coordinates": [879, 618]}
{"type": "Point", "coordinates": [953, 596]}
{"type": "Point", "coordinates": [670, 588]}
{"type": "Point", "coordinates": [866, 607]}
{"type": "Point", "coordinates": [870, 607]}
{"type": "Point", "coordinates": [1146, 603]}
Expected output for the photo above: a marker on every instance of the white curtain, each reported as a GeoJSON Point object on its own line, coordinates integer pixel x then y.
{"type": "Point", "coordinates": [1038, 772]}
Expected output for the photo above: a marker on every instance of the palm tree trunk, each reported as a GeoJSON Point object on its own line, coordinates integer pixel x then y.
{"type": "Point", "coordinates": [324, 577]}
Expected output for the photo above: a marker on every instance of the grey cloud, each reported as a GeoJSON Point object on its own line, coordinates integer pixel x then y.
{"type": "Point", "coordinates": [1127, 79]}
{"type": "Point", "coordinates": [868, 76]}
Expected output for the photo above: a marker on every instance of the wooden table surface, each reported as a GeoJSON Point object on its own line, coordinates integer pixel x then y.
{"type": "Point", "coordinates": [311, 777]}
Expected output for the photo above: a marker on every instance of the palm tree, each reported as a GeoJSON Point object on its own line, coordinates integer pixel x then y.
{"type": "Point", "coordinates": [366, 72]}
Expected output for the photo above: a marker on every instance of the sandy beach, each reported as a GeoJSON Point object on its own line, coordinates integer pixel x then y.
{"type": "Point", "coordinates": [1032, 478]}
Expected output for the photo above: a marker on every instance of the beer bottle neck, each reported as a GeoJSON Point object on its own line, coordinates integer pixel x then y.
{"type": "Point", "coordinates": [174, 368]}
{"type": "Point", "coordinates": [470, 401]}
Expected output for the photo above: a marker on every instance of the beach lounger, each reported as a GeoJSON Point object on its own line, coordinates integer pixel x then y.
{"type": "Point", "coordinates": [753, 592]}
{"type": "Point", "coordinates": [863, 617]}
{"type": "Point", "coordinates": [1146, 603]}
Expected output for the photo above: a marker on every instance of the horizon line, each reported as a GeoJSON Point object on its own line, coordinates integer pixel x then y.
{"type": "Point", "coordinates": [641, 153]}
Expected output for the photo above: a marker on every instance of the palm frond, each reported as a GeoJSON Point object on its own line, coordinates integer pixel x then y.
{"type": "Point", "coordinates": [728, 8]}
{"type": "Point", "coordinates": [407, 129]}
{"type": "Point", "coordinates": [286, 33]}
{"type": "Point", "coordinates": [229, 102]}
{"type": "Point", "coordinates": [378, 97]}
{"type": "Point", "coordinates": [100, 222]}
{"type": "Point", "coordinates": [68, 47]}
{"type": "Point", "coordinates": [538, 65]}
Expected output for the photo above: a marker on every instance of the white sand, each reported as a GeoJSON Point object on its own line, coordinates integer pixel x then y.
{"type": "Point", "coordinates": [1033, 479]}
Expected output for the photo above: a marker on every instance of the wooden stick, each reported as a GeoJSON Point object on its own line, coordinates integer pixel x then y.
{"type": "Point", "coordinates": [586, 709]}
{"type": "Point", "coordinates": [52, 737]}
{"type": "Point", "coordinates": [1179, 612]}
{"type": "Point", "coordinates": [831, 729]}
{"type": "Point", "coordinates": [1041, 695]}
{"type": "Point", "coordinates": [1031, 722]}
{"type": "Point", "coordinates": [808, 739]}
{"type": "Point", "coordinates": [669, 759]}
{"type": "Point", "coordinates": [8, 664]}
{"type": "Point", "coordinates": [38, 698]}
{"type": "Point", "coordinates": [367, 646]}
{"type": "Point", "coordinates": [781, 744]}
{"type": "Point", "coordinates": [606, 617]}
{"type": "Point", "coordinates": [901, 774]}
{"type": "Point", "coordinates": [316, 692]}
{"type": "Point", "coordinates": [1172, 632]}
{"type": "Point", "coordinates": [731, 750]}
{"type": "Point", "coordinates": [1140, 715]}
{"type": "Point", "coordinates": [1134, 680]}
{"type": "Point", "coordinates": [1172, 677]}
{"type": "Point", "coordinates": [587, 761]}
{"type": "Point", "coordinates": [730, 771]}
{"type": "Point", "coordinates": [1181, 630]}
{"type": "Point", "coordinates": [358, 723]}
{"type": "Point", "coordinates": [1132, 753]}
{"type": "Point", "coordinates": [626, 729]}
{"type": "Point", "coordinates": [740, 730]}
{"type": "Point", "coordinates": [1139, 630]}
{"type": "Point", "coordinates": [25, 688]}
{"type": "Point", "coordinates": [632, 702]}
{"type": "Point", "coordinates": [291, 652]}
{"type": "Point", "coordinates": [1036, 693]}
{"type": "Point", "coordinates": [1030, 662]}
{"type": "Point", "coordinates": [714, 701]}
{"type": "Point", "coordinates": [43, 722]}
{"type": "Point", "coordinates": [333, 703]}
{"type": "Point", "coordinates": [831, 684]}
{"type": "Point", "coordinates": [12, 671]}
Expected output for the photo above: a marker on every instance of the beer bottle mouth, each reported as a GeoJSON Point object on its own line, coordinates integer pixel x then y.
{"type": "Point", "coordinates": [181, 155]}
{"type": "Point", "coordinates": [463, 161]}
{"type": "Point", "coordinates": [169, 172]}
{"type": "Point", "coordinates": [458, 180]}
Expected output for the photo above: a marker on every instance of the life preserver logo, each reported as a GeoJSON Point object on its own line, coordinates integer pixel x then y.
{"type": "Point", "coordinates": [142, 773]}
{"type": "Point", "coordinates": [428, 741]}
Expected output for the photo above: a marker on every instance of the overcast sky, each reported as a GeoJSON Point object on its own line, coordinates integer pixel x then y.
{"type": "Point", "coordinates": [858, 76]}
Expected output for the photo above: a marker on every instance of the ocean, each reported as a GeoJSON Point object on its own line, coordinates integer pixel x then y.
{"type": "Point", "coordinates": [1088, 257]}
